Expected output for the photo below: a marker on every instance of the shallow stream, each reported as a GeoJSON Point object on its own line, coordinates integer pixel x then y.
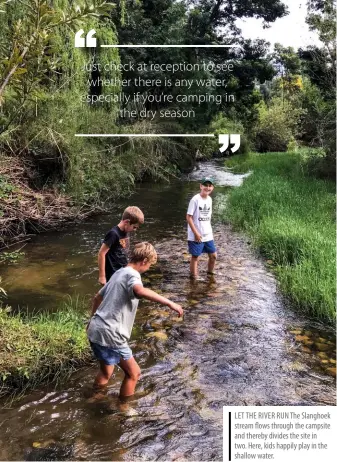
{"type": "Point", "coordinates": [238, 343]}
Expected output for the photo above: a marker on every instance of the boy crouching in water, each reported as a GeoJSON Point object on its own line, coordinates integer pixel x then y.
{"type": "Point", "coordinates": [113, 314]}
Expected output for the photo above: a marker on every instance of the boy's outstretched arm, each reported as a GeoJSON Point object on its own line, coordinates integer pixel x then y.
{"type": "Point", "coordinates": [143, 292]}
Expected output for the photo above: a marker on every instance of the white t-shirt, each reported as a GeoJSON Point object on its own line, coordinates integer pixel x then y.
{"type": "Point", "coordinates": [201, 210]}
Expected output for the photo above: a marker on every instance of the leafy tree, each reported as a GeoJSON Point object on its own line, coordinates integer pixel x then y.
{"type": "Point", "coordinates": [198, 22]}
{"type": "Point", "coordinates": [43, 80]}
{"type": "Point", "coordinates": [320, 65]}
{"type": "Point", "coordinates": [320, 61]}
{"type": "Point", "coordinates": [208, 16]}
{"type": "Point", "coordinates": [29, 45]}
{"type": "Point", "coordinates": [322, 18]}
{"type": "Point", "coordinates": [288, 65]}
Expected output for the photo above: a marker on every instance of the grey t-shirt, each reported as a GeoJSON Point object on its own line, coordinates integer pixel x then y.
{"type": "Point", "coordinates": [112, 323]}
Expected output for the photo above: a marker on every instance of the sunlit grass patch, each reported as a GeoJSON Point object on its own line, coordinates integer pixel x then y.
{"type": "Point", "coordinates": [291, 219]}
{"type": "Point", "coordinates": [41, 347]}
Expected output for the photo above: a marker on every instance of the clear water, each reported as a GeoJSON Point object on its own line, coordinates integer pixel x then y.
{"type": "Point", "coordinates": [237, 344]}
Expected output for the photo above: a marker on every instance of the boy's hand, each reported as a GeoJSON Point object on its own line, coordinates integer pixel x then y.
{"type": "Point", "coordinates": [102, 280]}
{"type": "Point", "coordinates": [198, 237]}
{"type": "Point", "coordinates": [176, 307]}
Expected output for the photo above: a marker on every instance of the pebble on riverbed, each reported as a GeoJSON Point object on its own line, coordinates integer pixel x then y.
{"type": "Point", "coordinates": [318, 346]}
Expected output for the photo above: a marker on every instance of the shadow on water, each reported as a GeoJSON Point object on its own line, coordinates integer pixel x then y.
{"type": "Point", "coordinates": [238, 344]}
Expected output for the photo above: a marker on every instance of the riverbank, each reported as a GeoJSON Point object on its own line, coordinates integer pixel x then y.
{"type": "Point", "coordinates": [36, 197]}
{"type": "Point", "coordinates": [290, 217]}
{"type": "Point", "coordinates": [43, 348]}
{"type": "Point", "coordinates": [25, 210]}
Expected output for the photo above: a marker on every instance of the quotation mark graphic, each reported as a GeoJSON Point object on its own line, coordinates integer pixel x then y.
{"type": "Point", "coordinates": [87, 41]}
{"type": "Point", "coordinates": [232, 139]}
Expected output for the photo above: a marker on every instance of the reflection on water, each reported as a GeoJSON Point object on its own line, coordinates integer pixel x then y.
{"type": "Point", "coordinates": [237, 344]}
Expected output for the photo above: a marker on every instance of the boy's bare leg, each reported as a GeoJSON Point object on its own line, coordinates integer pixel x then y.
{"type": "Point", "coordinates": [99, 389]}
{"type": "Point", "coordinates": [194, 266]}
{"type": "Point", "coordinates": [132, 374]}
{"type": "Point", "coordinates": [211, 262]}
{"type": "Point", "coordinates": [103, 376]}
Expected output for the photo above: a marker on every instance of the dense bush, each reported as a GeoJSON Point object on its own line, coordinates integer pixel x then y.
{"type": "Point", "coordinates": [92, 169]}
{"type": "Point", "coordinates": [209, 147]}
{"type": "Point", "coordinates": [277, 126]}
{"type": "Point", "coordinates": [319, 130]}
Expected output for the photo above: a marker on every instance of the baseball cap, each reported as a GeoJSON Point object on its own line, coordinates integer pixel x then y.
{"type": "Point", "coordinates": [207, 179]}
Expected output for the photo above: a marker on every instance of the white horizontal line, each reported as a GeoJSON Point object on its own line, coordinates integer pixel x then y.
{"type": "Point", "coordinates": [141, 135]}
{"type": "Point", "coordinates": [171, 46]}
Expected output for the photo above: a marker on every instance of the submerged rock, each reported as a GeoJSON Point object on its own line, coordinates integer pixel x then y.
{"type": "Point", "coordinates": [53, 452]}
{"type": "Point", "coordinates": [331, 371]}
{"type": "Point", "coordinates": [322, 346]}
{"type": "Point", "coordinates": [160, 335]}
{"type": "Point", "coordinates": [302, 338]}
{"type": "Point", "coordinates": [306, 349]}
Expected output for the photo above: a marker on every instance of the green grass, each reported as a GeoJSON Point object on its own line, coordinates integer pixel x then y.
{"type": "Point", "coordinates": [291, 219]}
{"type": "Point", "coordinates": [41, 348]}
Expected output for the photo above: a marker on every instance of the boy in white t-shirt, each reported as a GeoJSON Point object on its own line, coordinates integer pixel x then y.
{"type": "Point", "coordinates": [200, 235]}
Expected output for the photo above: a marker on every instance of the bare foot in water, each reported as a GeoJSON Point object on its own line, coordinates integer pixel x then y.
{"type": "Point", "coordinates": [97, 394]}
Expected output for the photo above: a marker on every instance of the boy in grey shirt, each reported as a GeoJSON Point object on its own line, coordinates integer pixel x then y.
{"type": "Point", "coordinates": [113, 314]}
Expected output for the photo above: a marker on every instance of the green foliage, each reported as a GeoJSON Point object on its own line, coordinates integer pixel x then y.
{"type": "Point", "coordinates": [287, 60]}
{"type": "Point", "coordinates": [168, 21]}
{"type": "Point", "coordinates": [306, 81]}
{"type": "Point", "coordinates": [292, 146]}
{"type": "Point", "coordinates": [320, 65]}
{"type": "Point", "coordinates": [209, 16]}
{"type": "Point", "coordinates": [94, 170]}
{"type": "Point", "coordinates": [49, 59]}
{"type": "Point", "coordinates": [222, 125]}
{"type": "Point", "coordinates": [11, 257]}
{"type": "Point", "coordinates": [6, 188]}
{"type": "Point", "coordinates": [42, 347]}
{"type": "Point", "coordinates": [319, 128]}
{"type": "Point", "coordinates": [291, 219]}
{"type": "Point", "coordinates": [29, 55]}
{"type": "Point", "coordinates": [81, 165]}
{"type": "Point", "coordinates": [322, 18]}
{"type": "Point", "coordinates": [44, 78]}
{"type": "Point", "coordinates": [50, 109]}
{"type": "Point", "coordinates": [277, 126]}
{"type": "Point", "coordinates": [157, 158]}
{"type": "Point", "coordinates": [42, 112]}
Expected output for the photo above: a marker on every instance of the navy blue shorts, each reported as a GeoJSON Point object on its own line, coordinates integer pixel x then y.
{"type": "Point", "coordinates": [197, 248]}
